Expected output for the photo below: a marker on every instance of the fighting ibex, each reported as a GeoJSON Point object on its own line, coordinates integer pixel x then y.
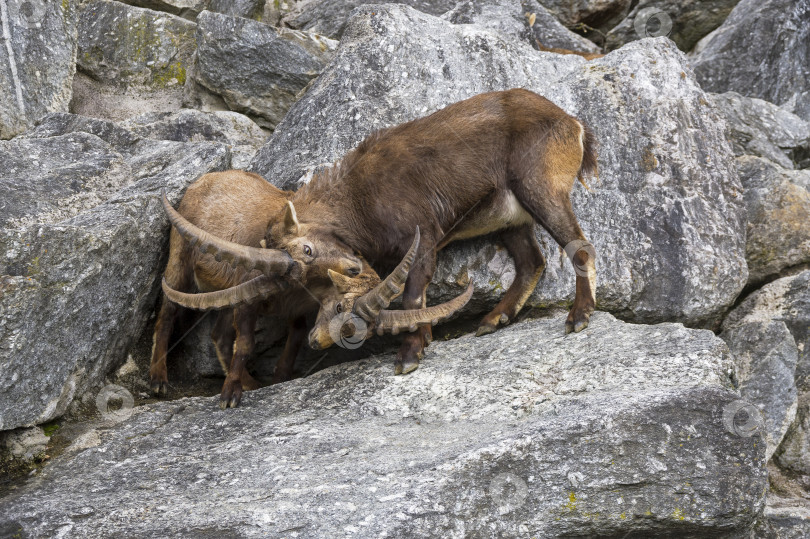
{"type": "Point", "coordinates": [217, 246]}
{"type": "Point", "coordinates": [499, 161]}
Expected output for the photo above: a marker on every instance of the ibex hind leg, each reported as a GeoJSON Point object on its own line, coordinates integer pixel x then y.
{"type": "Point", "coordinates": [179, 276]}
{"type": "Point", "coordinates": [557, 217]}
{"type": "Point", "coordinates": [529, 264]}
{"type": "Point", "coordinates": [223, 335]}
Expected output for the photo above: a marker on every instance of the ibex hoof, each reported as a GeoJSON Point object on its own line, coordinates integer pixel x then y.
{"type": "Point", "coordinates": [406, 366]}
{"type": "Point", "coordinates": [160, 389]}
{"type": "Point", "coordinates": [576, 325]}
{"type": "Point", "coordinates": [490, 326]}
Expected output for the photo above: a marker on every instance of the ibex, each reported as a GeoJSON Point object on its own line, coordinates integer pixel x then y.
{"type": "Point", "coordinates": [217, 247]}
{"type": "Point", "coordinates": [499, 161]}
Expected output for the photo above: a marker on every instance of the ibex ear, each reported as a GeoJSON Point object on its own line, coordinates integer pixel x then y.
{"type": "Point", "coordinates": [342, 283]}
{"type": "Point", "coordinates": [290, 219]}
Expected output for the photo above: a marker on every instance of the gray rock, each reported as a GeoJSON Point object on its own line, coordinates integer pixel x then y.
{"type": "Point", "coordinates": [37, 61]}
{"type": "Point", "coordinates": [511, 20]}
{"type": "Point", "coordinates": [761, 50]}
{"type": "Point", "coordinates": [599, 14]}
{"type": "Point", "coordinates": [132, 60]}
{"type": "Point", "coordinates": [684, 22]}
{"type": "Point", "coordinates": [622, 430]}
{"type": "Point", "coordinates": [667, 215]}
{"type": "Point", "coordinates": [765, 355]}
{"type": "Point", "coordinates": [778, 202]}
{"type": "Point", "coordinates": [188, 9]}
{"type": "Point", "coordinates": [23, 444]}
{"type": "Point", "coordinates": [241, 134]}
{"type": "Point", "coordinates": [794, 453]}
{"type": "Point", "coordinates": [82, 246]}
{"type": "Point", "coordinates": [757, 127]}
{"type": "Point", "coordinates": [249, 9]}
{"type": "Point", "coordinates": [257, 69]}
{"type": "Point", "coordinates": [328, 18]}
{"type": "Point", "coordinates": [784, 518]}
{"type": "Point", "coordinates": [787, 300]}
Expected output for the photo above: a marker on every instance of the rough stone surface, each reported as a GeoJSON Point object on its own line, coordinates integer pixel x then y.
{"type": "Point", "coordinates": [617, 430]}
{"type": "Point", "coordinates": [509, 19]}
{"type": "Point", "coordinates": [37, 61]}
{"type": "Point", "coordinates": [784, 518]}
{"type": "Point", "coordinates": [765, 355]}
{"type": "Point", "coordinates": [132, 60]}
{"type": "Point", "coordinates": [761, 50]}
{"type": "Point", "coordinates": [82, 246]}
{"type": "Point", "coordinates": [328, 18]}
{"type": "Point", "coordinates": [257, 69]}
{"type": "Point", "coordinates": [23, 444]}
{"type": "Point", "coordinates": [249, 9]}
{"type": "Point", "coordinates": [757, 127]}
{"type": "Point", "coordinates": [787, 300]}
{"type": "Point", "coordinates": [241, 134]}
{"type": "Point", "coordinates": [666, 215]}
{"type": "Point", "coordinates": [600, 14]}
{"type": "Point", "coordinates": [778, 202]}
{"type": "Point", "coordinates": [188, 9]}
{"type": "Point", "coordinates": [685, 22]}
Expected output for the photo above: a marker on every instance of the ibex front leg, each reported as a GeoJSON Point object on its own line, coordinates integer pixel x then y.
{"type": "Point", "coordinates": [413, 344]}
{"type": "Point", "coordinates": [244, 321]}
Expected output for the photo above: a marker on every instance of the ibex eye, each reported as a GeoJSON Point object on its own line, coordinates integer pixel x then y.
{"type": "Point", "coordinates": [339, 308]}
{"type": "Point", "coordinates": [307, 250]}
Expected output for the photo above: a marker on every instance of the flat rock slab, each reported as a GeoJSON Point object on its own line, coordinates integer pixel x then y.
{"type": "Point", "coordinates": [526, 432]}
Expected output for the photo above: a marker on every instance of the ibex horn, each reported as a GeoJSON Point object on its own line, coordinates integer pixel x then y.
{"type": "Point", "coordinates": [378, 298]}
{"type": "Point", "coordinates": [409, 320]}
{"type": "Point", "coordinates": [260, 287]}
{"type": "Point", "coordinates": [271, 262]}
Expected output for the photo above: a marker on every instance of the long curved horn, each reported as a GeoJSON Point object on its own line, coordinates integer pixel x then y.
{"type": "Point", "coordinates": [269, 261]}
{"type": "Point", "coordinates": [369, 305]}
{"type": "Point", "coordinates": [396, 321]}
{"type": "Point", "coordinates": [259, 287]}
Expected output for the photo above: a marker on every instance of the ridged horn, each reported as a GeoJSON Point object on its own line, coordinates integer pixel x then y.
{"type": "Point", "coordinates": [271, 262]}
{"type": "Point", "coordinates": [369, 305]}
{"type": "Point", "coordinates": [396, 321]}
{"type": "Point", "coordinates": [261, 287]}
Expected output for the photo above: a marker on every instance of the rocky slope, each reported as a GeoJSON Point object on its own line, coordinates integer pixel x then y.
{"type": "Point", "coordinates": [645, 424]}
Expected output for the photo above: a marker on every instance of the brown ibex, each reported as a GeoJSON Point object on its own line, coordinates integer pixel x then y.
{"type": "Point", "coordinates": [217, 247]}
{"type": "Point", "coordinates": [500, 161]}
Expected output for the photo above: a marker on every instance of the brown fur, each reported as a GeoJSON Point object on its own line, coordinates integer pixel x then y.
{"type": "Point", "coordinates": [498, 161]}
{"type": "Point", "coordinates": [239, 206]}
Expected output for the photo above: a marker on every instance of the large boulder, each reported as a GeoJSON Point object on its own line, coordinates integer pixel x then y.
{"type": "Point", "coordinates": [778, 202]}
{"type": "Point", "coordinates": [599, 14]}
{"type": "Point", "coordinates": [761, 50]}
{"type": "Point", "coordinates": [37, 62]}
{"type": "Point", "coordinates": [786, 300]}
{"type": "Point", "coordinates": [131, 60]}
{"type": "Point", "coordinates": [328, 17]}
{"type": "Point", "coordinates": [765, 355]}
{"type": "Point", "coordinates": [241, 134]}
{"type": "Point", "coordinates": [257, 69]}
{"type": "Point", "coordinates": [622, 431]}
{"type": "Point", "coordinates": [82, 245]}
{"type": "Point", "coordinates": [529, 21]}
{"type": "Point", "coordinates": [685, 22]}
{"type": "Point", "coordinates": [757, 127]}
{"type": "Point", "coordinates": [188, 9]}
{"type": "Point", "coordinates": [666, 215]}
